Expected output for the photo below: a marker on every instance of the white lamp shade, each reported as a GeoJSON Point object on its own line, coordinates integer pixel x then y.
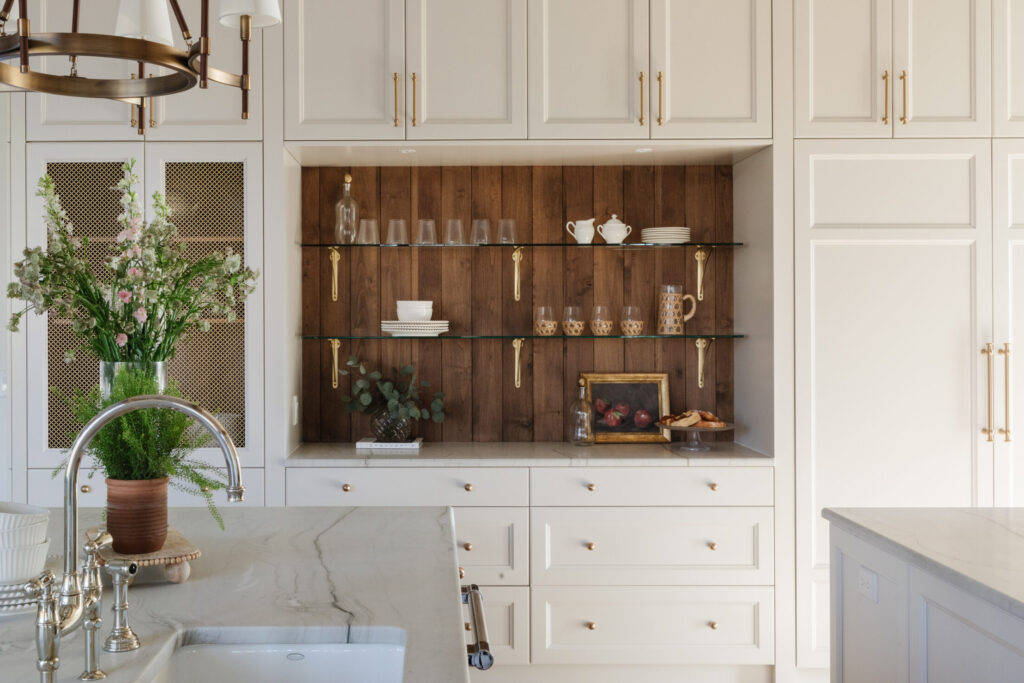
{"type": "Point", "coordinates": [264, 13]}
{"type": "Point", "coordinates": [145, 19]}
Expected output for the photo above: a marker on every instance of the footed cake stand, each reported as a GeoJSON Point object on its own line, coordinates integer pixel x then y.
{"type": "Point", "coordinates": [693, 443]}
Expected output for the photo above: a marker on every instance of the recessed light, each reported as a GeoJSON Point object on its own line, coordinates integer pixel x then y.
{"type": "Point", "coordinates": [408, 150]}
{"type": "Point", "coordinates": [644, 150]}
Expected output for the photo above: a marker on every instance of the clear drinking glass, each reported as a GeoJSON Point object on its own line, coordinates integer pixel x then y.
{"type": "Point", "coordinates": [507, 231]}
{"type": "Point", "coordinates": [397, 231]}
{"type": "Point", "coordinates": [481, 233]}
{"type": "Point", "coordinates": [453, 232]}
{"type": "Point", "coordinates": [544, 322]}
{"type": "Point", "coordinates": [601, 323]}
{"type": "Point", "coordinates": [426, 232]}
{"type": "Point", "coordinates": [368, 231]}
{"type": "Point", "coordinates": [573, 322]}
{"type": "Point", "coordinates": [632, 322]}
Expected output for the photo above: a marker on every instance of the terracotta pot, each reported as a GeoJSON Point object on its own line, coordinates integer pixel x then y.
{"type": "Point", "coordinates": [137, 515]}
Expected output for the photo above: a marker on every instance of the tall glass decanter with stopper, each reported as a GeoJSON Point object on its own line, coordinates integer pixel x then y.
{"type": "Point", "coordinates": [346, 213]}
{"type": "Point", "coordinates": [581, 414]}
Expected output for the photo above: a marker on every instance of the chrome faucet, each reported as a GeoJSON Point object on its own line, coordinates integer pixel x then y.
{"type": "Point", "coordinates": [60, 612]}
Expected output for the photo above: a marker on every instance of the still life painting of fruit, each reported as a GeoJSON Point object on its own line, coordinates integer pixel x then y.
{"type": "Point", "coordinates": [627, 406]}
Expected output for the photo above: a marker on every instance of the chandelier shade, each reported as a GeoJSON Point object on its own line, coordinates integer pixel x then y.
{"type": "Point", "coordinates": [264, 13]}
{"type": "Point", "coordinates": [145, 20]}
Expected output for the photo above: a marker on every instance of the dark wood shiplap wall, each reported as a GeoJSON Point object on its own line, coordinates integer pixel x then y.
{"type": "Point", "coordinates": [472, 288]}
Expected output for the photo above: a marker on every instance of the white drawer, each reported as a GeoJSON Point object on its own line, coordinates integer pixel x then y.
{"type": "Point", "coordinates": [507, 613]}
{"type": "Point", "coordinates": [652, 546]}
{"type": "Point", "coordinates": [427, 486]}
{"type": "Point", "coordinates": [647, 486]}
{"type": "Point", "coordinates": [493, 545]}
{"type": "Point", "coordinates": [48, 491]}
{"type": "Point", "coordinates": [652, 625]}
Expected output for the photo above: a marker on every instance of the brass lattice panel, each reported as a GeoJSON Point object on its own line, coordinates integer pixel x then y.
{"type": "Point", "coordinates": [207, 200]}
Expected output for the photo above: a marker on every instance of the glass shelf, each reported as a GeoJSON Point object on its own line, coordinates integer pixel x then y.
{"type": "Point", "coordinates": [527, 336]}
{"type": "Point", "coordinates": [602, 245]}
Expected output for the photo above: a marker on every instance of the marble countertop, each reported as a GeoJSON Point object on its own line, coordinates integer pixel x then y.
{"type": "Point", "coordinates": [980, 550]}
{"type": "Point", "coordinates": [522, 454]}
{"type": "Point", "coordinates": [347, 567]}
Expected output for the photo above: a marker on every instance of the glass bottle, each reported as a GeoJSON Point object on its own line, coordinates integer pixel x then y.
{"type": "Point", "coordinates": [580, 419]}
{"type": "Point", "coordinates": [346, 214]}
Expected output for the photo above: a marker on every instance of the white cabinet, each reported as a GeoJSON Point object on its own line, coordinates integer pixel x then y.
{"type": "Point", "coordinates": [728, 95]}
{"type": "Point", "coordinates": [882, 68]}
{"type": "Point", "coordinates": [344, 69]}
{"type": "Point", "coordinates": [493, 545]}
{"type": "Point", "coordinates": [48, 491]}
{"type": "Point", "coordinates": [455, 486]}
{"type": "Point", "coordinates": [1008, 67]}
{"type": "Point", "coordinates": [589, 69]}
{"type": "Point", "coordinates": [894, 305]}
{"type": "Point", "coordinates": [507, 611]}
{"type": "Point", "coordinates": [466, 61]}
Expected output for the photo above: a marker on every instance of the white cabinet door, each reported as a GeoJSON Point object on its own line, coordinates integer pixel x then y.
{"type": "Point", "coordinates": [894, 283]}
{"type": "Point", "coordinates": [586, 61]}
{"type": "Point", "coordinates": [507, 613]}
{"type": "Point", "coordinates": [728, 97]}
{"type": "Point", "coordinates": [216, 112]}
{"type": "Point", "coordinates": [1008, 67]}
{"type": "Point", "coordinates": [54, 117]}
{"type": "Point", "coordinates": [842, 61]}
{"type": "Point", "coordinates": [344, 65]}
{"type": "Point", "coordinates": [468, 58]}
{"type": "Point", "coordinates": [943, 51]}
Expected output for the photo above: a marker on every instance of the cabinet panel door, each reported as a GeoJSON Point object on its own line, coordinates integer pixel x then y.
{"type": "Point", "coordinates": [55, 117]}
{"type": "Point", "coordinates": [341, 57]}
{"type": "Point", "coordinates": [469, 58]}
{"type": "Point", "coordinates": [586, 57]}
{"type": "Point", "coordinates": [507, 612]}
{"type": "Point", "coordinates": [893, 309]}
{"type": "Point", "coordinates": [493, 545]}
{"type": "Point", "coordinates": [843, 50]}
{"type": "Point", "coordinates": [1008, 67]}
{"type": "Point", "coordinates": [729, 95]}
{"type": "Point", "coordinates": [944, 47]}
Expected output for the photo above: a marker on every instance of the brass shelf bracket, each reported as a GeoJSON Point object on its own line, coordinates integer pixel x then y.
{"type": "Point", "coordinates": [517, 344]}
{"type": "Point", "coordinates": [703, 345]}
{"type": "Point", "coordinates": [517, 259]}
{"type": "Point", "coordinates": [335, 370]}
{"type": "Point", "coordinates": [335, 257]}
{"type": "Point", "coordinates": [702, 256]}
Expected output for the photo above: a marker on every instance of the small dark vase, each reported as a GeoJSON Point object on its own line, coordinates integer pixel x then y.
{"type": "Point", "coordinates": [137, 515]}
{"type": "Point", "coordinates": [391, 429]}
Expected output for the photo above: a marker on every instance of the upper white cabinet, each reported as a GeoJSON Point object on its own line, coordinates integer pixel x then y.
{"type": "Point", "coordinates": [466, 61]}
{"type": "Point", "coordinates": [1008, 67]}
{"type": "Point", "coordinates": [345, 69]}
{"type": "Point", "coordinates": [730, 96]}
{"type": "Point", "coordinates": [882, 68]}
{"type": "Point", "coordinates": [589, 69]}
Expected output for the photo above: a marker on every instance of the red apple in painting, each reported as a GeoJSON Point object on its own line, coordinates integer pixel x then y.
{"type": "Point", "coordinates": [642, 419]}
{"type": "Point", "coordinates": [601, 406]}
{"type": "Point", "coordinates": [612, 418]}
{"type": "Point", "coordinates": [622, 409]}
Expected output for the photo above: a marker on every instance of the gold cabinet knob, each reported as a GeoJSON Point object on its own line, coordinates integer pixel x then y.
{"type": "Point", "coordinates": [713, 625]}
{"type": "Point", "coordinates": [462, 573]}
{"type": "Point", "coordinates": [591, 546]}
{"type": "Point", "coordinates": [346, 487]}
{"type": "Point", "coordinates": [468, 487]}
{"type": "Point", "coordinates": [713, 486]}
{"type": "Point", "coordinates": [713, 545]}
{"type": "Point", "coordinates": [591, 487]}
{"type": "Point", "coordinates": [204, 489]}
{"type": "Point", "coordinates": [591, 625]}
{"type": "Point", "coordinates": [86, 488]}
{"type": "Point", "coordinates": [468, 628]}
{"type": "Point", "coordinates": [467, 546]}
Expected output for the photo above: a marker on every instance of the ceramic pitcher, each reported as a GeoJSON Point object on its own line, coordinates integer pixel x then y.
{"type": "Point", "coordinates": [581, 231]}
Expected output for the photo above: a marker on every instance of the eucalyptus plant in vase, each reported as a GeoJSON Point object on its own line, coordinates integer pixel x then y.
{"type": "Point", "coordinates": [131, 313]}
{"type": "Point", "coordinates": [393, 403]}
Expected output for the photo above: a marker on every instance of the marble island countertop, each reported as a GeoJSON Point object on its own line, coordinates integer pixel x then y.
{"type": "Point", "coordinates": [284, 567]}
{"type": "Point", "coordinates": [980, 550]}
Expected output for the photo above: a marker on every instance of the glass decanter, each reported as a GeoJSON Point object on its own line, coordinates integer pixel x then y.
{"type": "Point", "coordinates": [346, 213]}
{"type": "Point", "coordinates": [580, 417]}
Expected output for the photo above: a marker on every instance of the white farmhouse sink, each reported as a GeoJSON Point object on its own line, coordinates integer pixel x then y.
{"type": "Point", "coordinates": [287, 655]}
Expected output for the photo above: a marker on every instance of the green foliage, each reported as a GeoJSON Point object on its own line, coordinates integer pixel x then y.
{"type": "Point", "coordinates": [399, 394]}
{"type": "Point", "coordinates": [147, 444]}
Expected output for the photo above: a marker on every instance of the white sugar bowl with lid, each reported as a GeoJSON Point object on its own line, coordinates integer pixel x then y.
{"type": "Point", "coordinates": [614, 231]}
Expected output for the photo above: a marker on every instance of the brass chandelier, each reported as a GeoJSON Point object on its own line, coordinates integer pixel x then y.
{"type": "Point", "coordinates": [143, 36]}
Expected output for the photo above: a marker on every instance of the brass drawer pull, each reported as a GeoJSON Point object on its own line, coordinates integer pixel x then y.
{"type": "Point", "coordinates": [713, 545]}
{"type": "Point", "coordinates": [713, 486]}
{"type": "Point", "coordinates": [591, 487]}
{"type": "Point", "coordinates": [346, 487]}
{"type": "Point", "coordinates": [86, 488]}
{"type": "Point", "coordinates": [713, 625]}
{"type": "Point", "coordinates": [462, 573]}
{"type": "Point", "coordinates": [467, 546]}
{"type": "Point", "coordinates": [468, 627]}
{"type": "Point", "coordinates": [468, 487]}
{"type": "Point", "coordinates": [591, 625]}
{"type": "Point", "coordinates": [591, 546]}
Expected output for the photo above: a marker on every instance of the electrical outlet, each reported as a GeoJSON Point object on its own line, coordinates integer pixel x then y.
{"type": "Point", "coordinates": [867, 584]}
{"type": "Point", "coordinates": [295, 411]}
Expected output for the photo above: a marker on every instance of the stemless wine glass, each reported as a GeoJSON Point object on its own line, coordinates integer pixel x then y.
{"type": "Point", "coordinates": [397, 231]}
{"type": "Point", "coordinates": [481, 233]}
{"type": "Point", "coordinates": [507, 231]}
{"type": "Point", "coordinates": [601, 323]}
{"type": "Point", "coordinates": [426, 233]}
{"type": "Point", "coordinates": [544, 322]}
{"type": "Point", "coordinates": [573, 322]}
{"type": "Point", "coordinates": [367, 231]}
{"type": "Point", "coordinates": [453, 231]}
{"type": "Point", "coordinates": [632, 322]}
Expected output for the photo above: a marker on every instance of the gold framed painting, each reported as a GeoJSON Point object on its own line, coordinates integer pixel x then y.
{"type": "Point", "coordinates": [627, 406]}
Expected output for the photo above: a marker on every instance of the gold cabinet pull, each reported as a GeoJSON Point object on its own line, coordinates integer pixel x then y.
{"type": "Point", "coordinates": [713, 486]}
{"type": "Point", "coordinates": [517, 259]}
{"type": "Point", "coordinates": [346, 487]}
{"type": "Point", "coordinates": [903, 78]}
{"type": "Point", "coordinates": [885, 114]}
{"type": "Point", "coordinates": [643, 117]}
{"type": "Point", "coordinates": [396, 99]}
{"type": "Point", "coordinates": [591, 487]}
{"type": "Point", "coordinates": [591, 546]}
{"type": "Point", "coordinates": [86, 488]}
{"type": "Point", "coordinates": [713, 545]}
{"type": "Point", "coordinates": [468, 627]}
{"type": "Point", "coordinates": [468, 487]}
{"type": "Point", "coordinates": [701, 256]}
{"type": "Point", "coordinates": [335, 257]}
{"type": "Point", "coordinates": [335, 345]}
{"type": "Point", "coordinates": [467, 546]}
{"type": "Point", "coordinates": [661, 98]}
{"type": "Point", "coordinates": [517, 344]}
{"type": "Point", "coordinates": [713, 625]}
{"type": "Point", "coordinates": [413, 99]}
{"type": "Point", "coordinates": [1005, 353]}
{"type": "Point", "coordinates": [989, 431]}
{"type": "Point", "coordinates": [462, 575]}
{"type": "Point", "coordinates": [591, 625]}
{"type": "Point", "coordinates": [703, 344]}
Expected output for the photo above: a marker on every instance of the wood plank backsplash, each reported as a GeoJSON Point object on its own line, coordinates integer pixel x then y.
{"type": "Point", "coordinates": [473, 288]}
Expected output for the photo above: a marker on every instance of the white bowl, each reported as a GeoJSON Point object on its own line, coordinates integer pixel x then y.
{"type": "Point", "coordinates": [23, 563]}
{"type": "Point", "coordinates": [414, 315]}
{"type": "Point", "coordinates": [416, 304]}
{"type": "Point", "coordinates": [15, 515]}
{"type": "Point", "coordinates": [33, 534]}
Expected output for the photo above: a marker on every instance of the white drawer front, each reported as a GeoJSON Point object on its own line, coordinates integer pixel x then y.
{"type": "Point", "coordinates": [652, 546]}
{"type": "Point", "coordinates": [507, 613]}
{"type": "Point", "coordinates": [653, 625]}
{"type": "Point", "coordinates": [493, 545]}
{"type": "Point", "coordinates": [428, 486]}
{"type": "Point", "coordinates": [48, 491]}
{"type": "Point", "coordinates": [648, 486]}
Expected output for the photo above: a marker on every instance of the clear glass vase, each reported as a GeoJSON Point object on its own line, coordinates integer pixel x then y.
{"type": "Point", "coordinates": [108, 371]}
{"type": "Point", "coordinates": [391, 429]}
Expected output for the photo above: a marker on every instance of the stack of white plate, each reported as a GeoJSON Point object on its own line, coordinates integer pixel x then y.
{"type": "Point", "coordinates": [414, 328]}
{"type": "Point", "coordinates": [23, 541]}
{"type": "Point", "coordinates": [665, 235]}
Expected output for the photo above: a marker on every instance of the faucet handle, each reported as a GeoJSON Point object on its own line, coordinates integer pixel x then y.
{"type": "Point", "coordinates": [95, 543]}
